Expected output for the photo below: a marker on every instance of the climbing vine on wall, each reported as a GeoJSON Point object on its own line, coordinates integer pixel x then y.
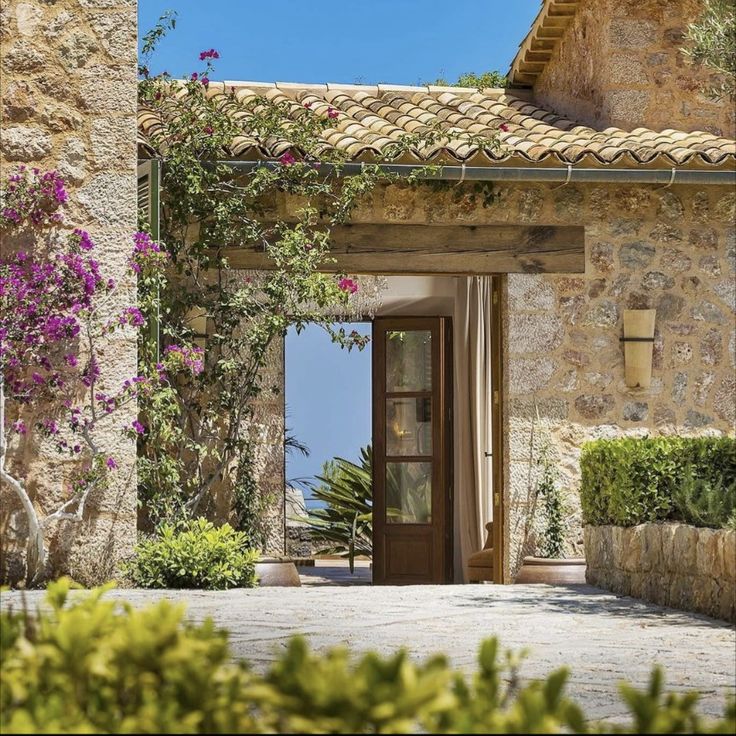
{"type": "Point", "coordinates": [204, 426]}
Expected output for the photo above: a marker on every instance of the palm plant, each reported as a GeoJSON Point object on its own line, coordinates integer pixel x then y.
{"type": "Point", "coordinates": [344, 524]}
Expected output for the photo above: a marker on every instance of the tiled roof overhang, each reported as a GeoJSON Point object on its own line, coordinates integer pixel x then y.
{"type": "Point", "coordinates": [537, 47]}
{"type": "Point", "coordinates": [371, 118]}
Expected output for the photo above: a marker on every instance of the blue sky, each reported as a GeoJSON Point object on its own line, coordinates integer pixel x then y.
{"type": "Point", "coordinates": [348, 41]}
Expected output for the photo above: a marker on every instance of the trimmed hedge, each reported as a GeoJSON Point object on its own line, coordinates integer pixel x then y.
{"type": "Point", "coordinates": [629, 481]}
{"type": "Point", "coordinates": [93, 666]}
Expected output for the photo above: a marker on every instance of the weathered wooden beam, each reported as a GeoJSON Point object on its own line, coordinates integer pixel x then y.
{"type": "Point", "coordinates": [443, 249]}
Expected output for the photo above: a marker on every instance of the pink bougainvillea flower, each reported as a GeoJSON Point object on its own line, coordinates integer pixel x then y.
{"type": "Point", "coordinates": [208, 129]}
{"type": "Point", "coordinates": [332, 113]}
{"type": "Point", "coordinates": [347, 285]}
{"type": "Point", "coordinates": [195, 76]}
{"type": "Point", "coordinates": [111, 464]}
{"type": "Point", "coordinates": [287, 159]}
{"type": "Point", "coordinates": [132, 316]}
{"type": "Point", "coordinates": [205, 81]}
{"type": "Point", "coordinates": [504, 127]}
{"type": "Point", "coordinates": [84, 241]}
{"type": "Point", "coordinates": [211, 54]}
{"type": "Point", "coordinates": [307, 105]}
{"type": "Point", "coordinates": [157, 96]}
{"type": "Point", "coordinates": [191, 359]}
{"type": "Point", "coordinates": [19, 427]}
{"type": "Point", "coordinates": [138, 427]}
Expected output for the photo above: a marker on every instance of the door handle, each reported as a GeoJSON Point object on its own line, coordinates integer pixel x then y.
{"type": "Point", "coordinates": [488, 454]}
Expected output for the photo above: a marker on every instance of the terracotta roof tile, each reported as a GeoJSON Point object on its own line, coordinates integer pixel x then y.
{"type": "Point", "coordinates": [373, 117]}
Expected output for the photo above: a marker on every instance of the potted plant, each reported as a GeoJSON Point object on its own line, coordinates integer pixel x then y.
{"type": "Point", "coordinates": [549, 564]}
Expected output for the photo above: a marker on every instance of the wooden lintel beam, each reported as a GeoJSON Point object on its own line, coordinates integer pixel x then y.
{"type": "Point", "coordinates": [447, 249]}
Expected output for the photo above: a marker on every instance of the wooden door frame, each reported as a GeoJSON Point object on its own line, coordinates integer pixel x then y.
{"type": "Point", "coordinates": [498, 445]}
{"type": "Point", "coordinates": [442, 438]}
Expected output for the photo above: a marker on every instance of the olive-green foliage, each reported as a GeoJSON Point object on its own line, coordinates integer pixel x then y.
{"type": "Point", "coordinates": [194, 554]}
{"type": "Point", "coordinates": [712, 41]}
{"type": "Point", "coordinates": [552, 540]}
{"type": "Point", "coordinates": [485, 80]}
{"type": "Point", "coordinates": [91, 666]}
{"type": "Point", "coordinates": [629, 481]}
{"type": "Point", "coordinates": [343, 525]}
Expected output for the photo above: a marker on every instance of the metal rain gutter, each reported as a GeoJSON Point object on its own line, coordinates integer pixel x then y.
{"type": "Point", "coordinates": [566, 175]}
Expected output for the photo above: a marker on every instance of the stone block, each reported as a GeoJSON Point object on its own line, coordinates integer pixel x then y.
{"type": "Point", "coordinates": [530, 292]}
{"type": "Point", "coordinates": [594, 406]}
{"type": "Point", "coordinates": [682, 592]}
{"type": "Point", "coordinates": [729, 555]}
{"type": "Point", "coordinates": [631, 548]}
{"type": "Point", "coordinates": [725, 602]}
{"type": "Point", "coordinates": [527, 375]}
{"type": "Point", "coordinates": [25, 143]}
{"type": "Point", "coordinates": [685, 550]}
{"type": "Point", "coordinates": [534, 333]}
{"type": "Point", "coordinates": [116, 95]}
{"type": "Point", "coordinates": [651, 548]}
{"type": "Point", "coordinates": [707, 557]}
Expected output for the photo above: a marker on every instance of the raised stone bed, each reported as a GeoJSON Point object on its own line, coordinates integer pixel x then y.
{"type": "Point", "coordinates": [670, 564]}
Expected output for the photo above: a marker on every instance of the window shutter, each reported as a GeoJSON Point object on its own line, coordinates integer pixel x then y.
{"type": "Point", "coordinates": [149, 212]}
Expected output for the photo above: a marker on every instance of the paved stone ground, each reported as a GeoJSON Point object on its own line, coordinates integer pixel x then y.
{"type": "Point", "coordinates": [603, 638]}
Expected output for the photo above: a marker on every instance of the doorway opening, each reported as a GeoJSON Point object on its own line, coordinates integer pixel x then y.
{"type": "Point", "coordinates": [404, 470]}
{"type": "Point", "coordinates": [328, 448]}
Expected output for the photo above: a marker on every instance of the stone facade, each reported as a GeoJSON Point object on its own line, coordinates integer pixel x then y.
{"type": "Point", "coordinates": [619, 64]}
{"type": "Point", "coordinates": [69, 100]}
{"type": "Point", "coordinates": [670, 249]}
{"type": "Point", "coordinates": [670, 564]}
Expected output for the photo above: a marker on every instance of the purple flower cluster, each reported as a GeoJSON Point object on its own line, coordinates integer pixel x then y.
{"type": "Point", "coordinates": [179, 357]}
{"type": "Point", "coordinates": [347, 285]}
{"type": "Point", "coordinates": [147, 255]}
{"type": "Point", "coordinates": [211, 54]}
{"type": "Point", "coordinates": [42, 300]}
{"type": "Point", "coordinates": [33, 198]}
{"type": "Point", "coordinates": [132, 316]}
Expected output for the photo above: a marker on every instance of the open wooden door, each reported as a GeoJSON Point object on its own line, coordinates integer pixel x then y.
{"type": "Point", "coordinates": [412, 450]}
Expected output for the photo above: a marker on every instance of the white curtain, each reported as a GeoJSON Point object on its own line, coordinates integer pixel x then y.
{"type": "Point", "coordinates": [473, 506]}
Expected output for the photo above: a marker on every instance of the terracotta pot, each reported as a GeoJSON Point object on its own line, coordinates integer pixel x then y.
{"type": "Point", "coordinates": [274, 572]}
{"type": "Point", "coordinates": [570, 571]}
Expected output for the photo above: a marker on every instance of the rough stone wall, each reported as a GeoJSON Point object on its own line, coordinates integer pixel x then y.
{"type": "Point", "coordinates": [68, 92]}
{"type": "Point", "coordinates": [670, 564]}
{"type": "Point", "coordinates": [673, 250]}
{"type": "Point", "coordinates": [619, 64]}
{"type": "Point", "coordinates": [646, 247]}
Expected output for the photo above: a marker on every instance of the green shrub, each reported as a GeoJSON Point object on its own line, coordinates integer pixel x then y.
{"type": "Point", "coordinates": [630, 481]}
{"type": "Point", "coordinates": [92, 666]}
{"type": "Point", "coordinates": [195, 554]}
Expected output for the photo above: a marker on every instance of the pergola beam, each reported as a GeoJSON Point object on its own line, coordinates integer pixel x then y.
{"type": "Point", "coordinates": [377, 248]}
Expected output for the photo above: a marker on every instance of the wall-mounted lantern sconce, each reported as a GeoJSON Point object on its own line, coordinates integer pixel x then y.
{"type": "Point", "coordinates": [638, 343]}
{"type": "Point", "coordinates": [197, 321]}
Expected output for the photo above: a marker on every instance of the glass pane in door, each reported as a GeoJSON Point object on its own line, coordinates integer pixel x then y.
{"type": "Point", "coordinates": [408, 493]}
{"type": "Point", "coordinates": [409, 426]}
{"type": "Point", "coordinates": [409, 360]}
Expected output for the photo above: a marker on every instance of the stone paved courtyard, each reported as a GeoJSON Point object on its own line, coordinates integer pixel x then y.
{"type": "Point", "coordinates": [603, 638]}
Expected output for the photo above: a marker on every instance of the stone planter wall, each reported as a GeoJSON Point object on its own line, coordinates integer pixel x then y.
{"type": "Point", "coordinates": [670, 564]}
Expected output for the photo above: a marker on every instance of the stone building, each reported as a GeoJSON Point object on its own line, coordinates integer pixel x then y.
{"type": "Point", "coordinates": [612, 190]}
{"type": "Point", "coordinates": [68, 90]}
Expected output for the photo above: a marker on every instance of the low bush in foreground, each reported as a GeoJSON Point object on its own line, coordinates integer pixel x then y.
{"type": "Point", "coordinates": [195, 554]}
{"type": "Point", "coordinates": [90, 665]}
{"type": "Point", "coordinates": [630, 481]}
